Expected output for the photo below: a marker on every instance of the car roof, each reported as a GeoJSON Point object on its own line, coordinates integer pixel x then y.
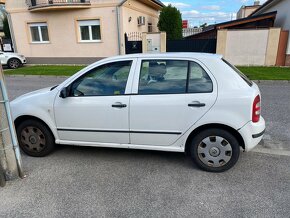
{"type": "Point", "coordinates": [170, 55]}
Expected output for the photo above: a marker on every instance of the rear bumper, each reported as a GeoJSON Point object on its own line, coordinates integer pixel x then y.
{"type": "Point", "coordinates": [252, 133]}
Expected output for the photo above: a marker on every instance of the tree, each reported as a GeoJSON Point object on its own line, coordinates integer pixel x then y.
{"type": "Point", "coordinates": [6, 28]}
{"type": "Point", "coordinates": [170, 21]}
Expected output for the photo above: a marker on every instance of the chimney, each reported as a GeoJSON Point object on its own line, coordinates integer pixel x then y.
{"type": "Point", "coordinates": [256, 3]}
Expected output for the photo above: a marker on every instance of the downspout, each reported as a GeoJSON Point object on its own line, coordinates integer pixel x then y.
{"type": "Point", "coordinates": [118, 7]}
{"type": "Point", "coordinates": [11, 127]}
{"type": "Point", "coordinates": [12, 32]}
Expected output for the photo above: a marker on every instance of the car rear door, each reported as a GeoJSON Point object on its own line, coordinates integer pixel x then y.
{"type": "Point", "coordinates": [170, 96]}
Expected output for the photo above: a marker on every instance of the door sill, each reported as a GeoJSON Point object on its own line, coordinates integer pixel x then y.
{"type": "Point", "coordinates": [116, 145]}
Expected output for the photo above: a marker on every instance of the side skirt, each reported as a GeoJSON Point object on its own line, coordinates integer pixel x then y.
{"type": "Point", "coordinates": [115, 145]}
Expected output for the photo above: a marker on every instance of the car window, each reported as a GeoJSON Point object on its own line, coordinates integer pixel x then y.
{"type": "Point", "coordinates": [163, 77]}
{"type": "Point", "coordinates": [199, 81]}
{"type": "Point", "coordinates": [108, 79]}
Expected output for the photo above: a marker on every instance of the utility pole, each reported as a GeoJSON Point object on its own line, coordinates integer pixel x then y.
{"type": "Point", "coordinates": [10, 160]}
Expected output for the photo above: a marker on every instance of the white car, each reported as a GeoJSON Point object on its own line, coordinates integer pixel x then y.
{"type": "Point", "coordinates": [178, 102]}
{"type": "Point", "coordinates": [12, 60]}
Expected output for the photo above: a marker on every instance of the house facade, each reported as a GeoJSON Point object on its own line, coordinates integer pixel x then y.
{"type": "Point", "coordinates": [77, 31]}
{"type": "Point", "coordinates": [282, 19]}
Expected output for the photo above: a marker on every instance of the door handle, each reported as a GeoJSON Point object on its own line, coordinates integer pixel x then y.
{"type": "Point", "coordinates": [196, 104]}
{"type": "Point", "coordinates": [119, 105]}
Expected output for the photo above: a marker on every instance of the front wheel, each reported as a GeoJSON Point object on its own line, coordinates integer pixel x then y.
{"type": "Point", "coordinates": [35, 138]}
{"type": "Point", "coordinates": [215, 150]}
{"type": "Point", "coordinates": [14, 63]}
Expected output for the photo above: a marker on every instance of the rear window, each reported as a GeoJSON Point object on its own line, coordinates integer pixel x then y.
{"type": "Point", "coordinates": [243, 76]}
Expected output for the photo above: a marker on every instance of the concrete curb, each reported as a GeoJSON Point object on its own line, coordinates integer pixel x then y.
{"type": "Point", "coordinates": [36, 76]}
{"type": "Point", "coordinates": [285, 82]}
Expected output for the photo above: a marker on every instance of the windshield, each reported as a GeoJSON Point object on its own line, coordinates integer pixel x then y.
{"type": "Point", "coordinates": [243, 76]}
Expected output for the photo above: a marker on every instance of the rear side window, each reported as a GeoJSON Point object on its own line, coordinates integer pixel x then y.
{"type": "Point", "coordinates": [173, 77]}
{"type": "Point", "coordinates": [199, 81]}
{"type": "Point", "coordinates": [243, 76]}
{"type": "Point", "coordinates": [163, 77]}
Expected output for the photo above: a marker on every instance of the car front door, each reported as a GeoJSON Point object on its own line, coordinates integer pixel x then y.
{"type": "Point", "coordinates": [170, 96]}
{"type": "Point", "coordinates": [97, 107]}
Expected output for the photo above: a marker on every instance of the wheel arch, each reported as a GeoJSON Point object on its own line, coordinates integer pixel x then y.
{"type": "Point", "coordinates": [23, 118]}
{"type": "Point", "coordinates": [199, 129]}
{"type": "Point", "coordinates": [10, 58]}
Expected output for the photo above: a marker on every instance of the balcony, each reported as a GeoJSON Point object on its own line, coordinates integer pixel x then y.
{"type": "Point", "coordinates": [44, 5]}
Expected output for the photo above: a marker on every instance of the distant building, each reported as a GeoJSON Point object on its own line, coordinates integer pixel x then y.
{"type": "Point", "coordinates": [191, 31]}
{"type": "Point", "coordinates": [77, 31]}
{"type": "Point", "coordinates": [262, 21]}
{"type": "Point", "coordinates": [184, 24]}
{"type": "Point", "coordinates": [245, 11]}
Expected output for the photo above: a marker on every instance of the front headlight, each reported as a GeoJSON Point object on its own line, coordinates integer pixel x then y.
{"type": "Point", "coordinates": [22, 56]}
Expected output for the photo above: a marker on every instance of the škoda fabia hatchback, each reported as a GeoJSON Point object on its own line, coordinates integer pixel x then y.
{"type": "Point", "coordinates": [179, 102]}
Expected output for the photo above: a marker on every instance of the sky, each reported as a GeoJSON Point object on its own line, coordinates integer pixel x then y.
{"type": "Point", "coordinates": [198, 12]}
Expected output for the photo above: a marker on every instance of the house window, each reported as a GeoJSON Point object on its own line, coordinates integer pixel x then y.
{"type": "Point", "coordinates": [89, 30]}
{"type": "Point", "coordinates": [150, 28]}
{"type": "Point", "coordinates": [39, 32]}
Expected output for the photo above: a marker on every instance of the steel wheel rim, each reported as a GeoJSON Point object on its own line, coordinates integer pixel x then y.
{"type": "Point", "coordinates": [33, 139]}
{"type": "Point", "coordinates": [214, 151]}
{"type": "Point", "coordinates": [14, 63]}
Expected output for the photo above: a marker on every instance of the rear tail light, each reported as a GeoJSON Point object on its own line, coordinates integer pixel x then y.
{"type": "Point", "coordinates": [256, 109]}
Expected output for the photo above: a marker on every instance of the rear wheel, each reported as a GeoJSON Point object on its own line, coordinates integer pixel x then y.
{"type": "Point", "coordinates": [215, 150]}
{"type": "Point", "coordinates": [14, 63]}
{"type": "Point", "coordinates": [35, 138]}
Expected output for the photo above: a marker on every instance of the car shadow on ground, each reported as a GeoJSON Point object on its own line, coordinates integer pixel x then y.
{"type": "Point", "coordinates": [134, 156]}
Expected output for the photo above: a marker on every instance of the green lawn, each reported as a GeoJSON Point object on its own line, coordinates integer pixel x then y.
{"type": "Point", "coordinates": [266, 73]}
{"type": "Point", "coordinates": [50, 70]}
{"type": "Point", "coordinates": [254, 73]}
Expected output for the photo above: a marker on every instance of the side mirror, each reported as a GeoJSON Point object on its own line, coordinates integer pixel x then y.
{"type": "Point", "coordinates": [64, 92]}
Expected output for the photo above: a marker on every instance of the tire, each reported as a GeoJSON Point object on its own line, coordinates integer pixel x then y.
{"type": "Point", "coordinates": [14, 63]}
{"type": "Point", "coordinates": [35, 138]}
{"type": "Point", "coordinates": [215, 150]}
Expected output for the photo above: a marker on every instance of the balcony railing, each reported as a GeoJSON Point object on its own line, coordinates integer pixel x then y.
{"type": "Point", "coordinates": [32, 4]}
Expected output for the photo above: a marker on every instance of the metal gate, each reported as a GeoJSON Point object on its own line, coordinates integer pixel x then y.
{"type": "Point", "coordinates": [191, 45]}
{"type": "Point", "coordinates": [133, 43]}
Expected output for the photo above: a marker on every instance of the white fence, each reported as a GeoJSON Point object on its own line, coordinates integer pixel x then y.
{"type": "Point", "coordinates": [249, 47]}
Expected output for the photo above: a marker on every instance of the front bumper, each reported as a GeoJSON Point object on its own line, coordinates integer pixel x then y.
{"type": "Point", "coordinates": [23, 60]}
{"type": "Point", "coordinates": [252, 133]}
